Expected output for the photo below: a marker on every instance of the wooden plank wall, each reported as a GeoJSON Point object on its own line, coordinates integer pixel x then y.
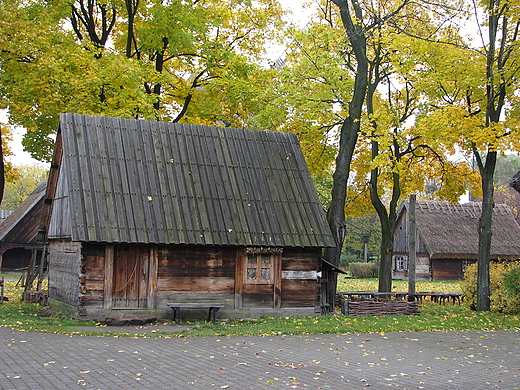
{"type": "Point", "coordinates": [92, 276]}
{"type": "Point", "coordinates": [300, 292]}
{"type": "Point", "coordinates": [195, 270]}
{"type": "Point", "coordinates": [64, 271]}
{"type": "Point", "coordinates": [422, 268]}
{"type": "Point", "coordinates": [202, 273]}
{"type": "Point", "coordinates": [447, 269]}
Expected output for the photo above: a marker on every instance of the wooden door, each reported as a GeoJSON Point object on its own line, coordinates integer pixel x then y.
{"type": "Point", "coordinates": [131, 276]}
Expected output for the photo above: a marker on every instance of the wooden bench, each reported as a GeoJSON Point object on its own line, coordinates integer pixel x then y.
{"type": "Point", "coordinates": [212, 306]}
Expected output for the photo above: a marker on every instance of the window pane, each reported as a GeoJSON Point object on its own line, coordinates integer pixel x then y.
{"type": "Point", "coordinates": [266, 273]}
{"type": "Point", "coordinates": [251, 273]}
{"type": "Point", "coordinates": [266, 259]}
{"type": "Point", "coordinates": [251, 259]}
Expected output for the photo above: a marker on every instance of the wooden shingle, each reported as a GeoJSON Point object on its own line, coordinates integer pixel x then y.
{"type": "Point", "coordinates": [135, 181]}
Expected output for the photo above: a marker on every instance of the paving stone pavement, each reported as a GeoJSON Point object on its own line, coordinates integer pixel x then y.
{"type": "Point", "coordinates": [408, 360]}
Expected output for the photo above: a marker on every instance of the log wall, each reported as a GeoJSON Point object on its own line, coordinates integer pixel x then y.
{"type": "Point", "coordinates": [195, 270]}
{"type": "Point", "coordinates": [92, 276]}
{"type": "Point", "coordinates": [64, 271]}
{"type": "Point", "coordinates": [81, 276]}
{"type": "Point", "coordinates": [422, 268]}
{"type": "Point", "coordinates": [299, 278]}
{"type": "Point", "coordinates": [447, 269]}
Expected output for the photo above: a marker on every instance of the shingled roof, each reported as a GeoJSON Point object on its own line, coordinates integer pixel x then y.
{"type": "Point", "coordinates": [135, 181]}
{"type": "Point", "coordinates": [452, 229]}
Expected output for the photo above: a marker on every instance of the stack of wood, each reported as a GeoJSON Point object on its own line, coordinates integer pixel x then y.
{"type": "Point", "coordinates": [33, 296]}
{"type": "Point", "coordinates": [372, 307]}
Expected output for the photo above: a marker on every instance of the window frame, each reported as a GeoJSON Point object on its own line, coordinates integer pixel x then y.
{"type": "Point", "coordinates": [258, 266]}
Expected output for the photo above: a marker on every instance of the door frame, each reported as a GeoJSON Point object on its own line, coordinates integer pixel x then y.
{"type": "Point", "coordinates": [241, 273]}
{"type": "Point", "coordinates": [151, 271]}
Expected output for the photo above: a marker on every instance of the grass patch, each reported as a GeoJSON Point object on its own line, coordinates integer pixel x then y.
{"type": "Point", "coordinates": [434, 317]}
{"type": "Point", "coordinates": [398, 285]}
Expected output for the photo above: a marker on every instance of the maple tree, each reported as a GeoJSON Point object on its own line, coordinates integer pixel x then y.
{"type": "Point", "coordinates": [476, 105]}
{"type": "Point", "coordinates": [174, 61]}
{"type": "Point", "coordinates": [312, 96]}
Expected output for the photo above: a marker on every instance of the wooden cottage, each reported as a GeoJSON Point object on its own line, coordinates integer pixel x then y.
{"type": "Point", "coordinates": [18, 233]}
{"type": "Point", "coordinates": [447, 239]}
{"type": "Point", "coordinates": [142, 213]}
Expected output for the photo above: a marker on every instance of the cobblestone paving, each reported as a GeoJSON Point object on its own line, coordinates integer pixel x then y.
{"type": "Point", "coordinates": [424, 360]}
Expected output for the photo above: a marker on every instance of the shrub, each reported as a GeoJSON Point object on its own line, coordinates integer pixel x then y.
{"type": "Point", "coordinates": [500, 299]}
{"type": "Point", "coordinates": [512, 287]}
{"type": "Point", "coordinates": [362, 270]}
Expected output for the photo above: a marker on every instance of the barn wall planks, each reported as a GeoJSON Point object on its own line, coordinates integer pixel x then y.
{"type": "Point", "coordinates": [298, 292]}
{"type": "Point", "coordinates": [192, 269]}
{"type": "Point", "coordinates": [447, 269]}
{"type": "Point", "coordinates": [64, 271]}
{"type": "Point", "coordinates": [110, 278]}
{"type": "Point", "coordinates": [422, 268]}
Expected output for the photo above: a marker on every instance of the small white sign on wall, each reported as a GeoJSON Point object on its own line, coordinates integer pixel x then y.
{"type": "Point", "coordinates": [302, 275]}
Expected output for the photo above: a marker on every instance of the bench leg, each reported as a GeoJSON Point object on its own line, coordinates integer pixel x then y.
{"type": "Point", "coordinates": [177, 314]}
{"type": "Point", "coordinates": [212, 312]}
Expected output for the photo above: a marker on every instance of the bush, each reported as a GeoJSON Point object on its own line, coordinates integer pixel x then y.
{"type": "Point", "coordinates": [362, 270]}
{"type": "Point", "coordinates": [512, 287]}
{"type": "Point", "coordinates": [501, 300]}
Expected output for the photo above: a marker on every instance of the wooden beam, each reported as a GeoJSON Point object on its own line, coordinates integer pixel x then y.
{"type": "Point", "coordinates": [239, 277]}
{"type": "Point", "coordinates": [277, 290]}
{"type": "Point", "coordinates": [152, 274]}
{"type": "Point", "coordinates": [109, 276]}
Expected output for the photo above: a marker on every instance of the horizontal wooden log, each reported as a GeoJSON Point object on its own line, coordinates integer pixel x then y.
{"type": "Point", "coordinates": [299, 265]}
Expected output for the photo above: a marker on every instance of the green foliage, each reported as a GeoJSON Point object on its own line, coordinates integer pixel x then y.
{"type": "Point", "coordinates": [512, 288]}
{"type": "Point", "coordinates": [192, 61]}
{"type": "Point", "coordinates": [362, 270]}
{"type": "Point", "coordinates": [28, 178]}
{"type": "Point", "coordinates": [501, 298]}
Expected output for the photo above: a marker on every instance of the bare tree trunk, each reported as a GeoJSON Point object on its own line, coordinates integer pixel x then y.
{"type": "Point", "coordinates": [412, 250]}
{"type": "Point", "coordinates": [2, 169]}
{"type": "Point", "coordinates": [485, 232]}
{"type": "Point", "coordinates": [349, 129]}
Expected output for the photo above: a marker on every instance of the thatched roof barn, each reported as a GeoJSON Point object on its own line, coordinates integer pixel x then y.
{"type": "Point", "coordinates": [515, 182]}
{"type": "Point", "coordinates": [142, 213]}
{"type": "Point", "coordinates": [447, 238]}
{"type": "Point", "coordinates": [19, 230]}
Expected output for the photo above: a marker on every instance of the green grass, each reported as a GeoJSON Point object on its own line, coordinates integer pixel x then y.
{"type": "Point", "coordinates": [434, 317]}
{"type": "Point", "coordinates": [398, 285]}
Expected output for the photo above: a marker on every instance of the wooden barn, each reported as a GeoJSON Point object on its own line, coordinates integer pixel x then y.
{"type": "Point", "coordinates": [447, 239]}
{"type": "Point", "coordinates": [18, 233]}
{"type": "Point", "coordinates": [139, 214]}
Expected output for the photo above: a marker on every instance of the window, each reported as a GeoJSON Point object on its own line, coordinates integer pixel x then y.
{"type": "Point", "coordinates": [259, 268]}
{"type": "Point", "coordinates": [400, 263]}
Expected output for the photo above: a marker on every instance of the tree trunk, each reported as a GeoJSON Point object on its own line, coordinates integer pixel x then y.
{"type": "Point", "coordinates": [2, 168]}
{"type": "Point", "coordinates": [349, 129]}
{"type": "Point", "coordinates": [485, 232]}
{"type": "Point", "coordinates": [131, 9]}
{"type": "Point", "coordinates": [348, 135]}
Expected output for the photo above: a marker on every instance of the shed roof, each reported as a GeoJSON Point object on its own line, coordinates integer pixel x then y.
{"type": "Point", "coordinates": [21, 225]}
{"type": "Point", "coordinates": [452, 229]}
{"type": "Point", "coordinates": [137, 181]}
